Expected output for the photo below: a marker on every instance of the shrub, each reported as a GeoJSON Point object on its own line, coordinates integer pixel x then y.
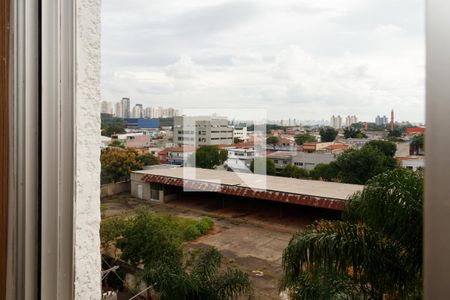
{"type": "Point", "coordinates": [204, 225]}
{"type": "Point", "coordinates": [191, 233]}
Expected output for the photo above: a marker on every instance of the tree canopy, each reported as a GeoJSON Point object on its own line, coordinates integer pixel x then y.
{"type": "Point", "coordinates": [210, 156]}
{"type": "Point", "coordinates": [395, 133]}
{"type": "Point", "coordinates": [113, 129]}
{"type": "Point", "coordinates": [358, 166]}
{"type": "Point", "coordinates": [147, 159]}
{"type": "Point", "coordinates": [117, 143]}
{"type": "Point", "coordinates": [387, 147]}
{"type": "Point", "coordinates": [117, 164]}
{"type": "Point", "coordinates": [351, 132]}
{"type": "Point", "coordinates": [300, 139]}
{"type": "Point", "coordinates": [272, 140]}
{"type": "Point", "coordinates": [294, 172]}
{"type": "Point", "coordinates": [327, 172]}
{"type": "Point", "coordinates": [270, 166]}
{"type": "Point", "coordinates": [328, 134]}
{"type": "Point", "coordinates": [374, 252]}
{"type": "Point", "coordinates": [418, 144]}
{"type": "Point", "coordinates": [155, 241]}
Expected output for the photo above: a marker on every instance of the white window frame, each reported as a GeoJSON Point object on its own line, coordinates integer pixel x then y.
{"type": "Point", "coordinates": [437, 145]}
{"type": "Point", "coordinates": [53, 277]}
{"type": "Point", "coordinates": [45, 260]}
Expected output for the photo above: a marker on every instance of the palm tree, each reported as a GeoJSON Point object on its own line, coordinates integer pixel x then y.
{"type": "Point", "coordinates": [198, 279]}
{"type": "Point", "coordinates": [374, 252]}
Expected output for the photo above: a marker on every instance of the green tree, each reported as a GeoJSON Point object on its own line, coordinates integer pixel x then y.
{"type": "Point", "coordinates": [273, 141]}
{"type": "Point", "coordinates": [108, 120]}
{"type": "Point", "coordinates": [199, 278]}
{"type": "Point", "coordinates": [156, 242]}
{"type": "Point", "coordinates": [300, 139]}
{"type": "Point", "coordinates": [327, 172]}
{"type": "Point", "coordinates": [375, 252]}
{"type": "Point", "coordinates": [210, 156]}
{"type": "Point", "coordinates": [351, 132]}
{"type": "Point", "coordinates": [395, 133]}
{"type": "Point", "coordinates": [294, 172]}
{"type": "Point", "coordinates": [418, 144]}
{"type": "Point", "coordinates": [328, 134]}
{"type": "Point", "coordinates": [113, 129]}
{"type": "Point", "coordinates": [117, 143]}
{"type": "Point", "coordinates": [117, 164]}
{"type": "Point", "coordinates": [358, 166]}
{"type": "Point", "coordinates": [388, 148]}
{"type": "Point", "coordinates": [270, 166]}
{"type": "Point", "coordinates": [147, 159]}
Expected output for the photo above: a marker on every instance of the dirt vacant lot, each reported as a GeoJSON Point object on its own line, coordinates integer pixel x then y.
{"type": "Point", "coordinates": [251, 236]}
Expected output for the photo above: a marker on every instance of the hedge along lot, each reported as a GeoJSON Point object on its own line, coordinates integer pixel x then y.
{"type": "Point", "coordinates": [182, 229]}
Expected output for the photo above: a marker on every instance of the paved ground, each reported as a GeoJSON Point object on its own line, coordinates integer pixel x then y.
{"type": "Point", "coordinates": [251, 236]}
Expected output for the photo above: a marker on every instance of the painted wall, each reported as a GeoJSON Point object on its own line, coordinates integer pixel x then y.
{"type": "Point", "coordinates": [87, 258]}
{"type": "Point", "coordinates": [115, 188]}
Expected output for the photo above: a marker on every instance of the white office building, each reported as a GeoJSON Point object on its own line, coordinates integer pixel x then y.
{"type": "Point", "coordinates": [202, 131]}
{"type": "Point", "coordinates": [240, 132]}
{"type": "Point", "coordinates": [239, 159]}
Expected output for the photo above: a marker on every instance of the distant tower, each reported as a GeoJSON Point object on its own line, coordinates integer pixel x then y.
{"type": "Point", "coordinates": [366, 126]}
{"type": "Point", "coordinates": [392, 120]}
{"type": "Point", "coordinates": [125, 108]}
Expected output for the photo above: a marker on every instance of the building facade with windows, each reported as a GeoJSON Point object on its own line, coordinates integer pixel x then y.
{"type": "Point", "coordinates": [336, 121]}
{"type": "Point", "coordinates": [201, 131]}
{"type": "Point", "coordinates": [381, 120]}
{"type": "Point", "coordinates": [239, 159]}
{"type": "Point", "coordinates": [307, 161]}
{"type": "Point", "coordinates": [240, 132]}
{"type": "Point", "coordinates": [137, 111]}
{"type": "Point", "coordinates": [125, 108]}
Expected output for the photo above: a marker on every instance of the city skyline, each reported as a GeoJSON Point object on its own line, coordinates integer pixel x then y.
{"type": "Point", "coordinates": [160, 111]}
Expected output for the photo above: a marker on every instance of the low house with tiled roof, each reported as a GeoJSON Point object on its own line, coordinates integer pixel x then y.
{"type": "Point", "coordinates": [304, 160]}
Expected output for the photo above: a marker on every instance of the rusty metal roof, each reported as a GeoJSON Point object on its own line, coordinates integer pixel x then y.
{"type": "Point", "coordinates": [315, 193]}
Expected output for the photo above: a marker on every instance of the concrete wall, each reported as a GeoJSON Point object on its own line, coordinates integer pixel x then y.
{"type": "Point", "coordinates": [111, 189]}
{"type": "Point", "coordinates": [161, 193]}
{"type": "Point", "coordinates": [145, 189]}
{"type": "Point", "coordinates": [87, 260]}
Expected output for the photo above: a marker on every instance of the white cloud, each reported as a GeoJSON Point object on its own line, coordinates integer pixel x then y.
{"type": "Point", "coordinates": [184, 68]}
{"type": "Point", "coordinates": [298, 58]}
{"type": "Point", "coordinates": [387, 29]}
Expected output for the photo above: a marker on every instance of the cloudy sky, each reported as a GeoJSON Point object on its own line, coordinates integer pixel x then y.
{"type": "Point", "coordinates": [298, 59]}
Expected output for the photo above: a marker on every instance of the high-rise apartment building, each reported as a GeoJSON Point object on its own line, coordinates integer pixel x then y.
{"type": "Point", "coordinates": [349, 120]}
{"type": "Point", "coordinates": [125, 108]}
{"type": "Point", "coordinates": [106, 107]}
{"type": "Point", "coordinates": [381, 121]}
{"type": "Point", "coordinates": [201, 131]}
{"type": "Point", "coordinates": [160, 112]}
{"type": "Point", "coordinates": [118, 110]}
{"type": "Point", "coordinates": [336, 121]}
{"type": "Point", "coordinates": [137, 111]}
